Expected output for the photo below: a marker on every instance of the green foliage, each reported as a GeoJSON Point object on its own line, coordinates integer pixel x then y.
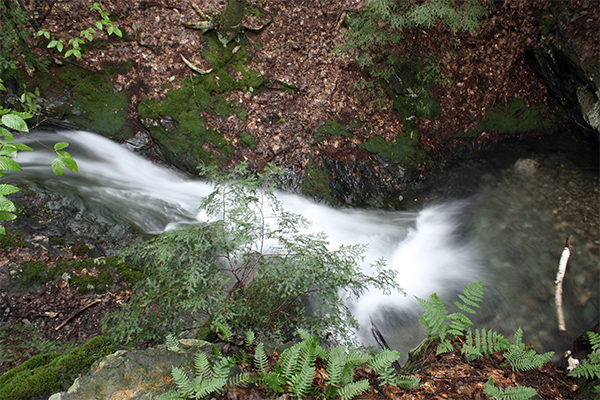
{"type": "Point", "coordinates": [183, 134]}
{"type": "Point", "coordinates": [14, 48]}
{"type": "Point", "coordinates": [438, 322]}
{"type": "Point", "coordinates": [315, 184]}
{"type": "Point", "coordinates": [207, 381]}
{"type": "Point", "coordinates": [523, 359]}
{"type": "Point", "coordinates": [76, 42]}
{"type": "Point", "coordinates": [515, 117]}
{"type": "Point", "coordinates": [590, 367]}
{"type": "Point", "coordinates": [483, 344]}
{"type": "Point", "coordinates": [516, 393]}
{"type": "Point", "coordinates": [253, 267]}
{"type": "Point", "coordinates": [15, 120]}
{"type": "Point", "coordinates": [331, 128]}
{"type": "Point", "coordinates": [248, 140]}
{"type": "Point", "coordinates": [295, 370]}
{"type": "Point", "coordinates": [44, 374]}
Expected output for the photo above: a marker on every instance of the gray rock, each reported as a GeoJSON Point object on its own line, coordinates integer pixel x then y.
{"type": "Point", "coordinates": [135, 374]}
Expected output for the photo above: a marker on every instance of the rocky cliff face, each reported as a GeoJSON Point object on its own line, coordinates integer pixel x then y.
{"type": "Point", "coordinates": [569, 61]}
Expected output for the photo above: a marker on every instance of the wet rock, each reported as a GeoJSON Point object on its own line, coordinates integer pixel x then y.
{"type": "Point", "coordinates": [568, 61]}
{"type": "Point", "coordinates": [136, 374]}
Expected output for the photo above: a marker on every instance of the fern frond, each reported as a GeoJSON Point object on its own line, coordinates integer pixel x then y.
{"type": "Point", "coordinates": [335, 368]}
{"type": "Point", "coordinates": [515, 393]}
{"type": "Point", "coordinates": [523, 359]}
{"type": "Point", "coordinates": [382, 364]}
{"type": "Point", "coordinates": [261, 361]}
{"type": "Point", "coordinates": [172, 342]}
{"type": "Point", "coordinates": [272, 380]}
{"type": "Point", "coordinates": [221, 368]}
{"type": "Point", "coordinates": [353, 389]}
{"type": "Point", "coordinates": [473, 294]}
{"type": "Point", "coordinates": [354, 358]}
{"type": "Point", "coordinates": [586, 370]}
{"type": "Point", "coordinates": [300, 383]}
{"type": "Point", "coordinates": [483, 344]}
{"type": "Point", "coordinates": [241, 379]}
{"type": "Point", "coordinates": [171, 396]}
{"type": "Point", "coordinates": [408, 382]}
{"type": "Point", "coordinates": [202, 366]}
{"type": "Point", "coordinates": [434, 314]}
{"type": "Point", "coordinates": [184, 385]}
{"type": "Point", "coordinates": [209, 387]}
{"type": "Point", "coordinates": [289, 361]}
{"type": "Point", "coordinates": [594, 340]}
{"type": "Point", "coordinates": [250, 338]}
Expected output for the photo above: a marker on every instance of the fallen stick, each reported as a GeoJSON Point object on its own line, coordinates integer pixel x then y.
{"type": "Point", "coordinates": [560, 275]}
{"type": "Point", "coordinates": [95, 301]}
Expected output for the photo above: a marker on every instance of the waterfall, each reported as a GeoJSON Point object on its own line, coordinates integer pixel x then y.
{"type": "Point", "coordinates": [437, 248]}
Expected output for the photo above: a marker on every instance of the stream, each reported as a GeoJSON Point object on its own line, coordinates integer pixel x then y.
{"type": "Point", "coordinates": [509, 231]}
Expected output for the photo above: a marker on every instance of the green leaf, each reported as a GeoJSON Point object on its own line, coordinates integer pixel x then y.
{"type": "Point", "coordinates": [7, 205]}
{"type": "Point", "coordinates": [8, 137]}
{"type": "Point", "coordinates": [60, 146]}
{"type": "Point", "coordinates": [58, 166]}
{"type": "Point", "coordinates": [21, 147]}
{"type": "Point", "coordinates": [15, 122]}
{"type": "Point", "coordinates": [8, 164]}
{"type": "Point", "coordinates": [7, 216]}
{"type": "Point", "coordinates": [8, 189]}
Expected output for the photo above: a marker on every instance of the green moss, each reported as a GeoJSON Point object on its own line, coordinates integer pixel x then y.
{"type": "Point", "coordinates": [35, 273]}
{"type": "Point", "coordinates": [248, 140]}
{"type": "Point", "coordinates": [515, 117]}
{"type": "Point", "coordinates": [44, 374]}
{"type": "Point", "coordinates": [404, 151]}
{"type": "Point", "coordinates": [316, 185]}
{"type": "Point", "coordinates": [87, 98]}
{"type": "Point", "coordinates": [186, 142]}
{"type": "Point", "coordinates": [331, 128]}
{"type": "Point", "coordinates": [12, 239]}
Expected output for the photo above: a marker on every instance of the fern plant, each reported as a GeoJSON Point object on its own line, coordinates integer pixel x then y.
{"type": "Point", "coordinates": [523, 359]}
{"type": "Point", "coordinates": [295, 370]}
{"type": "Point", "coordinates": [590, 367]}
{"type": "Point", "coordinates": [208, 380]}
{"type": "Point", "coordinates": [515, 393]}
{"type": "Point", "coordinates": [439, 323]}
{"type": "Point", "coordinates": [483, 344]}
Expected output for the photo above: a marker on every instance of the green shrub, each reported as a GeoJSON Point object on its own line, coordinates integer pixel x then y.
{"type": "Point", "coordinates": [253, 267]}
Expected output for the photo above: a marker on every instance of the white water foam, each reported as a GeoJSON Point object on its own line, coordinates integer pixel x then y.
{"type": "Point", "coordinates": [420, 245]}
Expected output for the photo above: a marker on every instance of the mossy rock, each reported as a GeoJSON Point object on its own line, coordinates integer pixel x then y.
{"type": "Point", "coordinates": [316, 184]}
{"type": "Point", "coordinates": [515, 117]}
{"type": "Point", "coordinates": [84, 98]}
{"type": "Point", "coordinates": [44, 374]}
{"type": "Point", "coordinates": [177, 123]}
{"type": "Point", "coordinates": [404, 151]}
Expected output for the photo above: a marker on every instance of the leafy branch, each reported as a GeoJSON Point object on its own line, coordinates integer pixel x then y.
{"type": "Point", "coordinates": [76, 42]}
{"type": "Point", "coordinates": [15, 121]}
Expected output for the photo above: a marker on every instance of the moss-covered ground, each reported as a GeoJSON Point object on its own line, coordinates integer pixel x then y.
{"type": "Point", "coordinates": [187, 142]}
{"type": "Point", "coordinates": [84, 98]}
{"type": "Point", "coordinates": [45, 374]}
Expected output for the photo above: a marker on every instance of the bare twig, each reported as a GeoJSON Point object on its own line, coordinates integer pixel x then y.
{"type": "Point", "coordinates": [562, 269]}
{"type": "Point", "coordinates": [95, 301]}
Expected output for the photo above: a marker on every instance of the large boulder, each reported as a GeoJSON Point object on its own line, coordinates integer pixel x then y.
{"type": "Point", "coordinates": [568, 59]}
{"type": "Point", "coordinates": [134, 374]}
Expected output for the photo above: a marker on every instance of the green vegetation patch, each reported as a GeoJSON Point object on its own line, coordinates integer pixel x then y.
{"type": "Point", "coordinates": [98, 274]}
{"type": "Point", "coordinates": [186, 141]}
{"type": "Point", "coordinates": [90, 102]}
{"type": "Point", "coordinates": [332, 128]}
{"type": "Point", "coordinates": [404, 150]}
{"type": "Point", "coordinates": [316, 185]}
{"type": "Point", "coordinates": [44, 374]}
{"type": "Point", "coordinates": [515, 117]}
{"type": "Point", "coordinates": [248, 140]}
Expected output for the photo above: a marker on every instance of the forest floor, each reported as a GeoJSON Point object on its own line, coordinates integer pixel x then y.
{"type": "Point", "coordinates": [297, 47]}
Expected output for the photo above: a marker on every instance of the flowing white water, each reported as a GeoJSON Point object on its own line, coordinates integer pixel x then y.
{"type": "Point", "coordinates": [424, 246]}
